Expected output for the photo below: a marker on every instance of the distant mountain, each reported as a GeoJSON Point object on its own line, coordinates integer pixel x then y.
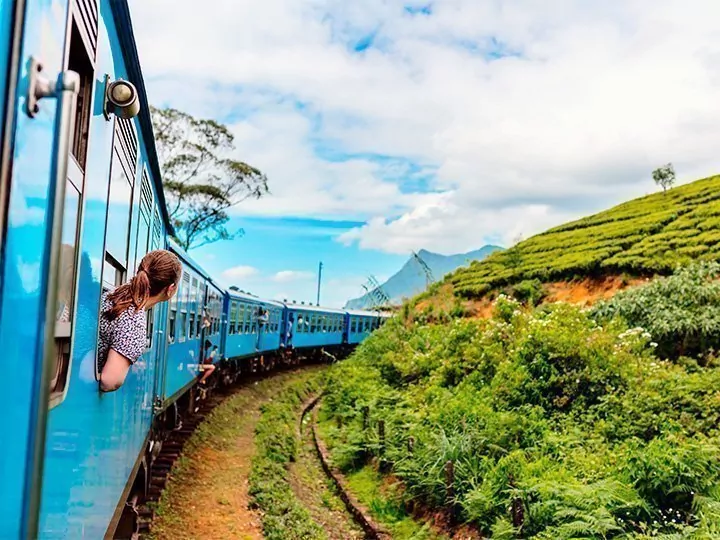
{"type": "Point", "coordinates": [410, 280]}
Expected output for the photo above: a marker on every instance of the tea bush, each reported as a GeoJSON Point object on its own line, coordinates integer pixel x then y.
{"type": "Point", "coordinates": [575, 423]}
{"type": "Point", "coordinates": [681, 312]}
{"type": "Point", "coordinates": [646, 236]}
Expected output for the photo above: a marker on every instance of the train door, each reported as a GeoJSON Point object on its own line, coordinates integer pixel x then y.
{"type": "Point", "coordinates": [38, 115]}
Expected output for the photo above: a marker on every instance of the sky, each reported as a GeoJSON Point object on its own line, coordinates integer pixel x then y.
{"type": "Point", "coordinates": [389, 126]}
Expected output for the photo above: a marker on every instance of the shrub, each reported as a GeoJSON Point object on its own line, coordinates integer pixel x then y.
{"type": "Point", "coordinates": [578, 424]}
{"type": "Point", "coordinates": [681, 312]}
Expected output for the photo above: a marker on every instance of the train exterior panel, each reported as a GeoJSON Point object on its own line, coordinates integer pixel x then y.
{"type": "Point", "coordinates": [246, 334]}
{"type": "Point", "coordinates": [314, 326]}
{"type": "Point", "coordinates": [360, 324]}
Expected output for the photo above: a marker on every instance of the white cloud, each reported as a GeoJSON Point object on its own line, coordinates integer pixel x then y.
{"type": "Point", "coordinates": [285, 276]}
{"type": "Point", "coordinates": [598, 94]}
{"type": "Point", "coordinates": [239, 272]}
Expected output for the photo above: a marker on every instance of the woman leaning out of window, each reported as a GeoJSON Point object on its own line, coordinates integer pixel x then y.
{"type": "Point", "coordinates": [122, 316]}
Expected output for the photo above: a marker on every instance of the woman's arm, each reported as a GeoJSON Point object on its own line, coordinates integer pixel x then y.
{"type": "Point", "coordinates": [114, 371]}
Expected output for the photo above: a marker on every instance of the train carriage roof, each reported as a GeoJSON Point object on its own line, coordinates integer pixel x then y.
{"type": "Point", "coordinates": [238, 295]}
{"type": "Point", "coordinates": [315, 309]}
{"type": "Point", "coordinates": [361, 313]}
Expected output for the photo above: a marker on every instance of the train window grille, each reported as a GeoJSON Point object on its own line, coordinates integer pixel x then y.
{"type": "Point", "coordinates": [157, 231]}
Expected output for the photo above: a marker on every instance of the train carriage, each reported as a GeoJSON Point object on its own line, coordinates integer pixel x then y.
{"type": "Point", "coordinates": [314, 326]}
{"type": "Point", "coordinates": [253, 326]}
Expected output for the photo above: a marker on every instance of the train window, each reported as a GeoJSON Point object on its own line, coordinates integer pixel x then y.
{"type": "Point", "coordinates": [150, 327]}
{"type": "Point", "coordinates": [233, 317]}
{"type": "Point", "coordinates": [171, 326]}
{"type": "Point", "coordinates": [191, 330]}
{"type": "Point", "coordinates": [172, 315]}
{"type": "Point", "coordinates": [183, 294]}
{"type": "Point", "coordinates": [79, 59]}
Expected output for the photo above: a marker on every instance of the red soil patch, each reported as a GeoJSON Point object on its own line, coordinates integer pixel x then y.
{"type": "Point", "coordinates": [590, 290]}
{"type": "Point", "coordinates": [583, 293]}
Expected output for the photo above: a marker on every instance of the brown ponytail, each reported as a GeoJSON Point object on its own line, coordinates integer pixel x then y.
{"type": "Point", "coordinates": [158, 270]}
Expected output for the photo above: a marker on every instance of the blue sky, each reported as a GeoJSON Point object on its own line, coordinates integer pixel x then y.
{"type": "Point", "coordinates": [387, 126]}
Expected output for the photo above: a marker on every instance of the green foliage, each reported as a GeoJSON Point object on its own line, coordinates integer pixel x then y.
{"type": "Point", "coordinates": [576, 423]}
{"type": "Point", "coordinates": [681, 312]}
{"type": "Point", "coordinates": [664, 176]}
{"type": "Point", "coordinates": [645, 236]}
{"type": "Point", "coordinates": [276, 441]}
{"type": "Point", "coordinates": [529, 291]}
{"type": "Point", "coordinates": [200, 179]}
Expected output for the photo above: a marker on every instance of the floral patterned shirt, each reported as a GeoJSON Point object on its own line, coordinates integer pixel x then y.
{"type": "Point", "coordinates": [126, 334]}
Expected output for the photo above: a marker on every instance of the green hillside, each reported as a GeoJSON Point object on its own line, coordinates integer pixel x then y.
{"type": "Point", "coordinates": [649, 235]}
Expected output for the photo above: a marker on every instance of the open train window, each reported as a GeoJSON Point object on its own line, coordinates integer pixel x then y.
{"type": "Point", "coordinates": [79, 57]}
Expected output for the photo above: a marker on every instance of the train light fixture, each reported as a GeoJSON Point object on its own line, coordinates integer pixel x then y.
{"type": "Point", "coordinates": [121, 99]}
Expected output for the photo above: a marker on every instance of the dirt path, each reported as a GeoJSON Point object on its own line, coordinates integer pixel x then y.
{"type": "Point", "coordinates": [207, 496]}
{"type": "Point", "coordinates": [316, 492]}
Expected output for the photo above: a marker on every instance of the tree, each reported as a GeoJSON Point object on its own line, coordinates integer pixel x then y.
{"type": "Point", "coordinates": [200, 178]}
{"type": "Point", "coordinates": [514, 255]}
{"type": "Point", "coordinates": [664, 176]}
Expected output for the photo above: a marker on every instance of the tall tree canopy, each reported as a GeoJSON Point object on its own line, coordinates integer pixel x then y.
{"type": "Point", "coordinates": [201, 179]}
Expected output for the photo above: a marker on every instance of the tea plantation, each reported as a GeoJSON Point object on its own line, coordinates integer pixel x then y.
{"type": "Point", "coordinates": [646, 236]}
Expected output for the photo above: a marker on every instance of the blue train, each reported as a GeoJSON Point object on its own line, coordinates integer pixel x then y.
{"type": "Point", "coordinates": [81, 202]}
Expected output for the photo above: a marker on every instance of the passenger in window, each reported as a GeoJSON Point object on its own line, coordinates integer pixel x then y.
{"type": "Point", "coordinates": [263, 318]}
{"type": "Point", "coordinates": [208, 367]}
{"type": "Point", "coordinates": [123, 324]}
{"type": "Point", "coordinates": [206, 321]}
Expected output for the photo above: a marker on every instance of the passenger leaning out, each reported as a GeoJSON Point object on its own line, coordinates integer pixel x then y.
{"type": "Point", "coordinates": [123, 333]}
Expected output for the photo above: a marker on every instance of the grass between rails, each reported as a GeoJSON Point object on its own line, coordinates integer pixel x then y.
{"type": "Point", "coordinates": [206, 496]}
{"type": "Point", "coordinates": [283, 515]}
{"type": "Point", "coordinates": [645, 236]}
{"type": "Point", "coordinates": [318, 493]}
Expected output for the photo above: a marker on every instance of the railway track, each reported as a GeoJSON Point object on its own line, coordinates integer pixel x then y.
{"type": "Point", "coordinates": [204, 402]}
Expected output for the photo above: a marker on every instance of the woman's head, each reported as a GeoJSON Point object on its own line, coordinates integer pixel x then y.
{"type": "Point", "coordinates": [155, 281]}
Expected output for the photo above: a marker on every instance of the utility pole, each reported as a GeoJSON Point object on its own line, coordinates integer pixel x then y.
{"type": "Point", "coordinates": [319, 281]}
